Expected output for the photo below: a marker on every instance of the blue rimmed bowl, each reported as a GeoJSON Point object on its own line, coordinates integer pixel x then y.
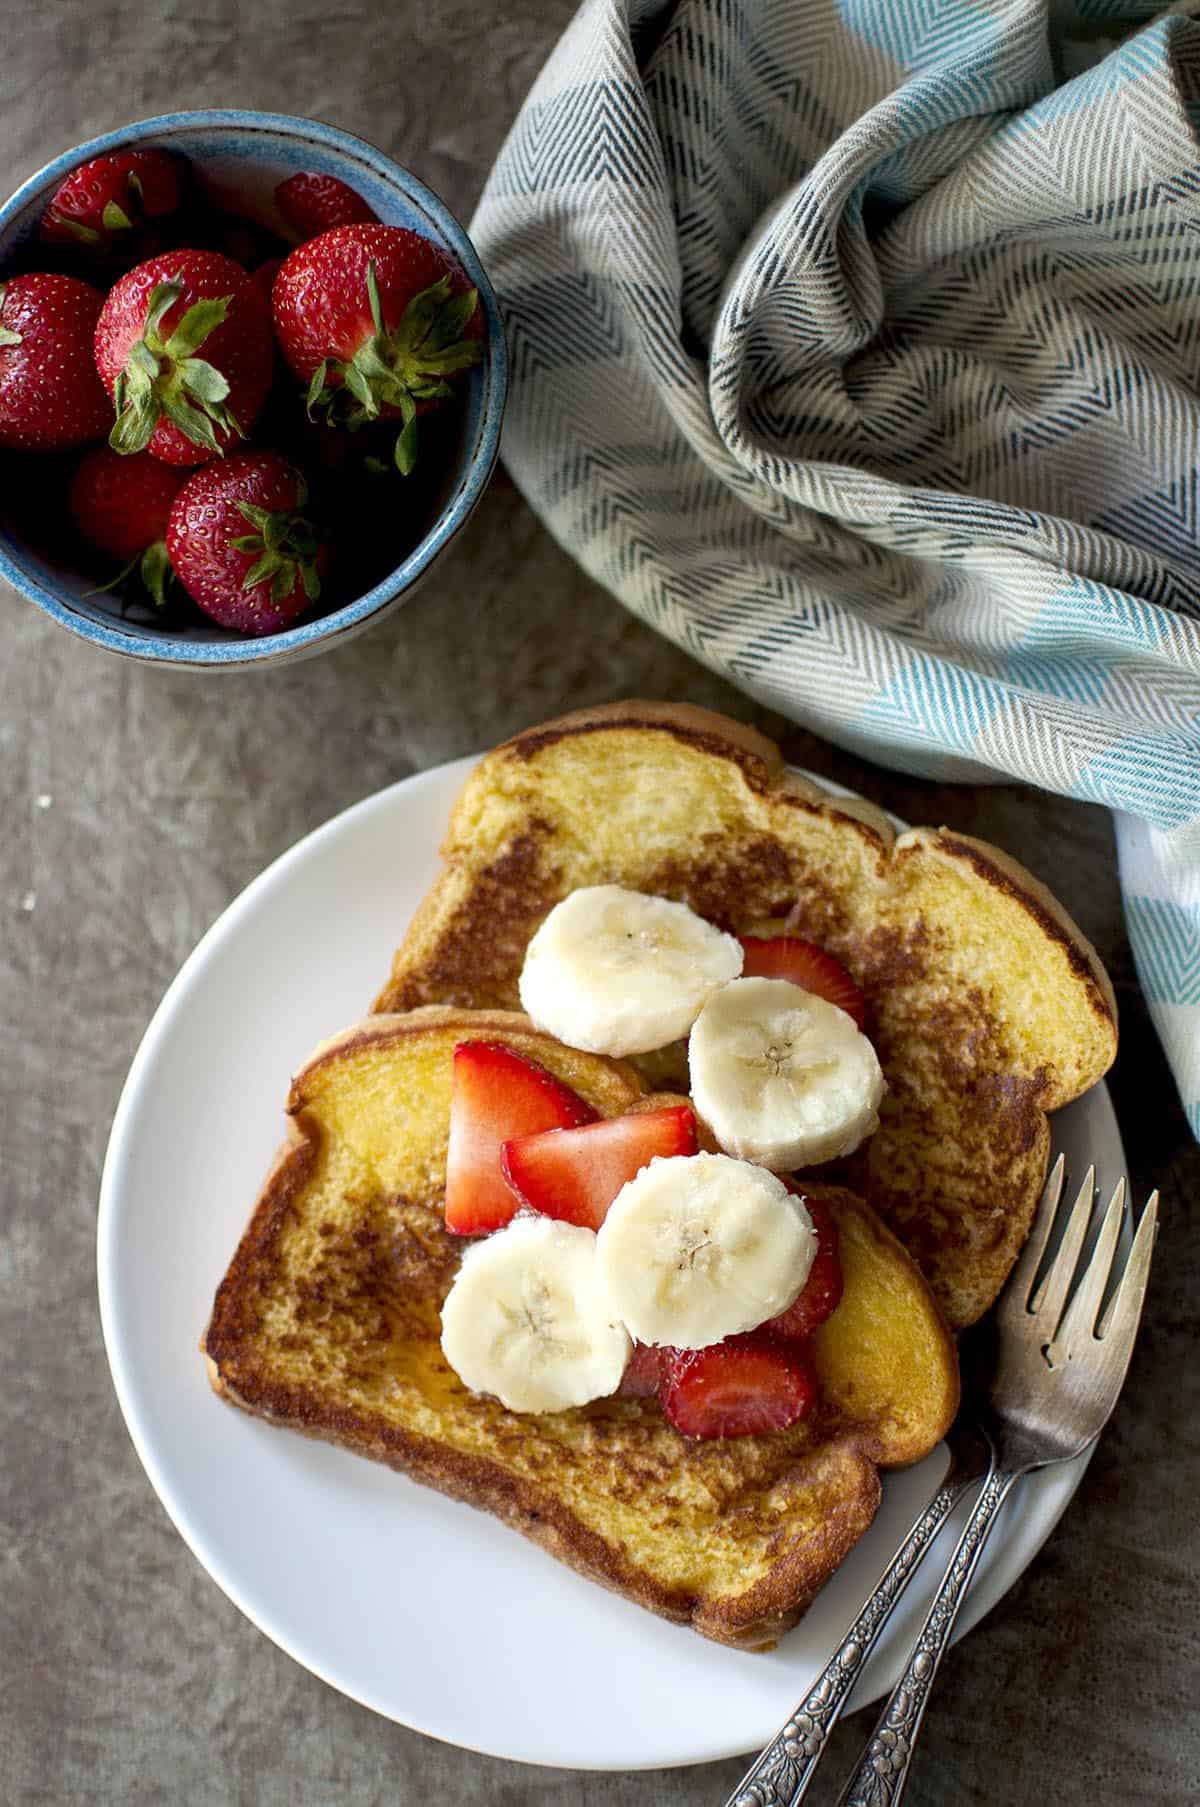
{"type": "Point", "coordinates": [246, 155]}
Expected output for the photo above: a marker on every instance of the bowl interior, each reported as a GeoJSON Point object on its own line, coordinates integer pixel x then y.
{"type": "Point", "coordinates": [240, 160]}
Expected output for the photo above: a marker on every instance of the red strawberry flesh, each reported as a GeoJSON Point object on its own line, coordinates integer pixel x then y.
{"type": "Point", "coordinates": [821, 1293]}
{"type": "Point", "coordinates": [311, 204]}
{"type": "Point", "coordinates": [745, 1386]}
{"type": "Point", "coordinates": [643, 1373]}
{"type": "Point", "coordinates": [805, 964]}
{"type": "Point", "coordinates": [122, 504]}
{"type": "Point", "coordinates": [575, 1174]}
{"type": "Point", "coordinates": [50, 395]}
{"type": "Point", "coordinates": [496, 1095]}
{"type": "Point", "coordinates": [264, 277]}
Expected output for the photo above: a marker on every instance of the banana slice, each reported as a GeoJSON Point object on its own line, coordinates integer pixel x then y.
{"type": "Point", "coordinates": [781, 1076]}
{"type": "Point", "coordinates": [615, 972]}
{"type": "Point", "coordinates": [528, 1319]}
{"type": "Point", "coordinates": [698, 1247]}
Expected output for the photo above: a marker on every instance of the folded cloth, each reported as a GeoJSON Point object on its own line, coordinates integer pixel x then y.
{"type": "Point", "coordinates": [857, 349]}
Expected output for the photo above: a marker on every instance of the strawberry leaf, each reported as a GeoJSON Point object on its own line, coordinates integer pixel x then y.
{"type": "Point", "coordinates": [163, 297]}
{"type": "Point", "coordinates": [191, 422]}
{"type": "Point", "coordinates": [360, 388]}
{"type": "Point", "coordinates": [134, 426]}
{"type": "Point", "coordinates": [155, 570]}
{"type": "Point", "coordinates": [202, 318]}
{"type": "Point", "coordinates": [406, 448]}
{"type": "Point", "coordinates": [115, 218]}
{"type": "Point", "coordinates": [451, 320]}
{"type": "Point", "coordinates": [373, 299]}
{"type": "Point", "coordinates": [284, 550]}
{"type": "Point", "coordinates": [421, 314]}
{"type": "Point", "coordinates": [203, 380]}
{"type": "Point", "coordinates": [258, 573]}
{"type": "Point", "coordinates": [317, 391]}
{"type": "Point", "coordinates": [87, 235]}
{"type": "Point", "coordinates": [453, 357]}
{"type": "Point", "coordinates": [141, 364]}
{"type": "Point", "coordinates": [122, 574]}
{"type": "Point", "coordinates": [7, 335]}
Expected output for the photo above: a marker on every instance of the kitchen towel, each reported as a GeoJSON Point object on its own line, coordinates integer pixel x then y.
{"type": "Point", "coordinates": [856, 347]}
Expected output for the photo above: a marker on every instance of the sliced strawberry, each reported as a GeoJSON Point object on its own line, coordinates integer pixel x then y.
{"type": "Point", "coordinates": [575, 1174]}
{"type": "Point", "coordinates": [741, 1387]}
{"type": "Point", "coordinates": [497, 1094]}
{"type": "Point", "coordinates": [643, 1373]}
{"type": "Point", "coordinates": [822, 1291]}
{"type": "Point", "coordinates": [807, 965]}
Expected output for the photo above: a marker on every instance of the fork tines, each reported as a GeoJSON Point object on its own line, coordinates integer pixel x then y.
{"type": "Point", "coordinates": [1067, 1321]}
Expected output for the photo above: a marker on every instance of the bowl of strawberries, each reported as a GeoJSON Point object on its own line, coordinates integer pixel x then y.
{"type": "Point", "coordinates": [252, 377]}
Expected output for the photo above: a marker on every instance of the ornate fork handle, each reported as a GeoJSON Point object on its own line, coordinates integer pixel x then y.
{"type": "Point", "coordinates": [781, 1774]}
{"type": "Point", "coordinates": [882, 1772]}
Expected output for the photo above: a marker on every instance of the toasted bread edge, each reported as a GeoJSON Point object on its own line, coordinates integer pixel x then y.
{"type": "Point", "coordinates": [755, 1620]}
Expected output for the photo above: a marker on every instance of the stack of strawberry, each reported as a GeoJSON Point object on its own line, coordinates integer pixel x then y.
{"type": "Point", "coordinates": [173, 361]}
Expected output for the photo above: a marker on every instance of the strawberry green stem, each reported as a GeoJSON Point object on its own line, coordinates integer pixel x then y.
{"type": "Point", "coordinates": [163, 378]}
{"type": "Point", "coordinates": [401, 366]}
{"type": "Point", "coordinates": [153, 567]}
{"type": "Point", "coordinates": [284, 547]}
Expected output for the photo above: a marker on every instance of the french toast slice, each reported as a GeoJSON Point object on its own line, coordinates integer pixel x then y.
{"type": "Point", "coordinates": [329, 1319]}
{"type": "Point", "coordinates": [989, 1008]}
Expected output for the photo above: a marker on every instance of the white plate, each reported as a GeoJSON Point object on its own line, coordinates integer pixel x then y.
{"type": "Point", "coordinates": [429, 1612]}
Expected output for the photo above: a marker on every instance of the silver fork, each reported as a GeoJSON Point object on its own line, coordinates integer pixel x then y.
{"type": "Point", "coordinates": [1058, 1372]}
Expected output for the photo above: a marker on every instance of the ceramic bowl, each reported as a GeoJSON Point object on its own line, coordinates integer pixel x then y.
{"type": "Point", "coordinates": [245, 155]}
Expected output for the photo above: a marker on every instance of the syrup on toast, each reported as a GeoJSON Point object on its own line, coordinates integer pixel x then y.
{"type": "Point", "coordinates": [989, 1007]}
{"type": "Point", "coordinates": [328, 1321]}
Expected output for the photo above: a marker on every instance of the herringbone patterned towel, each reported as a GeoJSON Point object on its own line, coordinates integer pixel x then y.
{"type": "Point", "coordinates": [856, 346]}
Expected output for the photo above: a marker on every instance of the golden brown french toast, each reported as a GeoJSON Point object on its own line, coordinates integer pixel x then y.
{"type": "Point", "coordinates": [328, 1321]}
{"type": "Point", "coordinates": [989, 1007]}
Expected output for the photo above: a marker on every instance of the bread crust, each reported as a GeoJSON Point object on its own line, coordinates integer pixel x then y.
{"type": "Point", "coordinates": [244, 1369]}
{"type": "Point", "coordinates": [1015, 881]}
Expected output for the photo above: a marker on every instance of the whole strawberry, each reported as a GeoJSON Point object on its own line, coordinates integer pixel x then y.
{"type": "Point", "coordinates": [50, 395]}
{"type": "Point", "coordinates": [184, 407]}
{"type": "Point", "coordinates": [311, 204]}
{"type": "Point", "coordinates": [240, 545]}
{"type": "Point", "coordinates": [122, 506]}
{"type": "Point", "coordinates": [378, 318]}
{"type": "Point", "coordinates": [111, 195]}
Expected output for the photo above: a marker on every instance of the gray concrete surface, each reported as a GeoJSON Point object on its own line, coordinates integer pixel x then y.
{"type": "Point", "coordinates": [125, 1675]}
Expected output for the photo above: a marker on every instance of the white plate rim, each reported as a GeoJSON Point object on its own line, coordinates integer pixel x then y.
{"type": "Point", "coordinates": [997, 1574]}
